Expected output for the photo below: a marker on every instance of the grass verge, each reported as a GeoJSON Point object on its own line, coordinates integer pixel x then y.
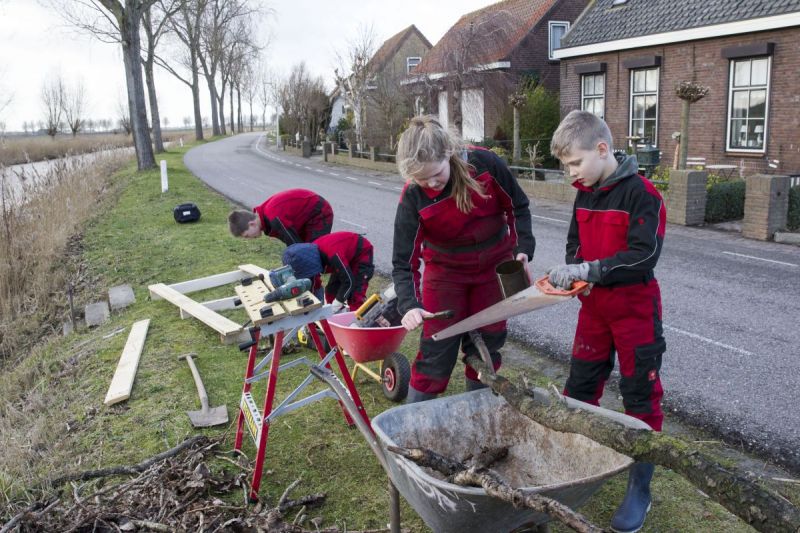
{"type": "Point", "coordinates": [53, 421]}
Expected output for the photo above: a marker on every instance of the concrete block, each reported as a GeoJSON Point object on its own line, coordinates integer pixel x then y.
{"type": "Point", "coordinates": [787, 237]}
{"type": "Point", "coordinates": [120, 297]}
{"type": "Point", "coordinates": [97, 314]}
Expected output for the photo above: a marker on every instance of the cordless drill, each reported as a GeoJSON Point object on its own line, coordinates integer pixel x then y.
{"type": "Point", "coordinates": [286, 285]}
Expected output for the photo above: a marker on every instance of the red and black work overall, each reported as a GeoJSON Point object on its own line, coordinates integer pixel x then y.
{"type": "Point", "coordinates": [347, 257]}
{"type": "Point", "coordinates": [621, 224]}
{"type": "Point", "coordinates": [295, 215]}
{"type": "Point", "coordinates": [460, 252]}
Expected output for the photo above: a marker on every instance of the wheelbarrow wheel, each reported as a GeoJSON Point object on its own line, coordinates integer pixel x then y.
{"type": "Point", "coordinates": [306, 341]}
{"type": "Point", "coordinates": [395, 376]}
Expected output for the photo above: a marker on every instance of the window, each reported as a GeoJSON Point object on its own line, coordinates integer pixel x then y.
{"type": "Point", "coordinates": [644, 104]}
{"type": "Point", "coordinates": [556, 29]}
{"type": "Point", "coordinates": [411, 63]}
{"type": "Point", "coordinates": [748, 95]}
{"type": "Point", "coordinates": [593, 94]}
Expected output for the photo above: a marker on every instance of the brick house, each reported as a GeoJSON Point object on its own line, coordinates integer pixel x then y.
{"type": "Point", "coordinates": [467, 77]}
{"type": "Point", "coordinates": [623, 58]}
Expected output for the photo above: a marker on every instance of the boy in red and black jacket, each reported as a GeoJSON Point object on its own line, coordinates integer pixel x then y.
{"type": "Point", "coordinates": [293, 216]}
{"type": "Point", "coordinates": [614, 241]}
{"type": "Point", "coordinates": [345, 255]}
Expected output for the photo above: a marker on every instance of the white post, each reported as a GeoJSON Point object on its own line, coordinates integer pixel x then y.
{"type": "Point", "coordinates": [164, 184]}
{"type": "Point", "coordinates": [181, 139]}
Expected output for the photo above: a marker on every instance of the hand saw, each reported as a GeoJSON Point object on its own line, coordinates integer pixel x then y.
{"type": "Point", "coordinates": [540, 294]}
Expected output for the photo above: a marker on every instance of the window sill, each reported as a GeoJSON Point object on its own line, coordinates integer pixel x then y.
{"type": "Point", "coordinates": [746, 153]}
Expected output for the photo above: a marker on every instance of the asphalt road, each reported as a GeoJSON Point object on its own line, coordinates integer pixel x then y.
{"type": "Point", "coordinates": [731, 305]}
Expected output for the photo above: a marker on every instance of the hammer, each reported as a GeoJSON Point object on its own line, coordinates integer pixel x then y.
{"type": "Point", "coordinates": [207, 416]}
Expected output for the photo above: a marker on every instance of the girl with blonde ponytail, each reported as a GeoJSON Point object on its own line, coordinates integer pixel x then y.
{"type": "Point", "coordinates": [461, 213]}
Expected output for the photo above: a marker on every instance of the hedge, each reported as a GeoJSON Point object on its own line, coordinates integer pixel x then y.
{"type": "Point", "coordinates": [793, 219]}
{"type": "Point", "coordinates": [725, 201]}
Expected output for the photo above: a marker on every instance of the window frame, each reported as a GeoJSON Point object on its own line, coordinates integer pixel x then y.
{"type": "Point", "coordinates": [632, 74]}
{"type": "Point", "coordinates": [594, 96]}
{"type": "Point", "coordinates": [409, 66]}
{"type": "Point", "coordinates": [729, 119]}
{"type": "Point", "coordinates": [550, 25]}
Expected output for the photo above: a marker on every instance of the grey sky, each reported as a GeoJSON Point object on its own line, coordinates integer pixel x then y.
{"type": "Point", "coordinates": [35, 43]}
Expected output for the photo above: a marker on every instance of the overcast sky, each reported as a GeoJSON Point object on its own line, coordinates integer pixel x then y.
{"type": "Point", "coordinates": [36, 43]}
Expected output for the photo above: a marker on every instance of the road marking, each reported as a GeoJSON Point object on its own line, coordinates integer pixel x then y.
{"type": "Point", "coordinates": [298, 165]}
{"type": "Point", "coordinates": [375, 183]}
{"type": "Point", "coordinates": [320, 171]}
{"type": "Point", "coordinates": [333, 173]}
{"type": "Point", "coordinates": [398, 188]}
{"type": "Point", "coordinates": [710, 341]}
{"type": "Point", "coordinates": [307, 168]}
{"type": "Point", "coordinates": [551, 219]}
{"type": "Point", "coordinates": [350, 178]}
{"type": "Point", "coordinates": [761, 259]}
{"type": "Point", "coordinates": [353, 223]}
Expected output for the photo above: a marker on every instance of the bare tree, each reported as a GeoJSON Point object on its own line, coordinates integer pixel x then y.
{"type": "Point", "coordinates": [119, 21]}
{"type": "Point", "coordinates": [391, 102]}
{"type": "Point", "coordinates": [74, 106]}
{"type": "Point", "coordinates": [353, 76]}
{"type": "Point", "coordinates": [305, 103]}
{"type": "Point", "coordinates": [123, 117]}
{"type": "Point", "coordinates": [185, 26]}
{"type": "Point", "coordinates": [154, 24]}
{"type": "Point", "coordinates": [53, 103]}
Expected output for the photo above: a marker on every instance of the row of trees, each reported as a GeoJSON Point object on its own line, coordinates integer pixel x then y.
{"type": "Point", "coordinates": [210, 40]}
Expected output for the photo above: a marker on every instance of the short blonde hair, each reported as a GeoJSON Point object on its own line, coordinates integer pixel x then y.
{"type": "Point", "coordinates": [426, 141]}
{"type": "Point", "coordinates": [581, 130]}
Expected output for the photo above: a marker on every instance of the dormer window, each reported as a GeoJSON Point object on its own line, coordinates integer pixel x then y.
{"type": "Point", "coordinates": [557, 29]}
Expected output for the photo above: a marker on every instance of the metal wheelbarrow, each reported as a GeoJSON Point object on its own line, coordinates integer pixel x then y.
{"type": "Point", "coordinates": [365, 345]}
{"type": "Point", "coordinates": [564, 466]}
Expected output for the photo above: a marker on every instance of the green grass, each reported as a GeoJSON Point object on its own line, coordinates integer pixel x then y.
{"type": "Point", "coordinates": [54, 425]}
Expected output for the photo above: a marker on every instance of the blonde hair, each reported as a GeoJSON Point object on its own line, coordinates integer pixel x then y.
{"type": "Point", "coordinates": [426, 141]}
{"type": "Point", "coordinates": [581, 130]}
{"type": "Point", "coordinates": [238, 221]}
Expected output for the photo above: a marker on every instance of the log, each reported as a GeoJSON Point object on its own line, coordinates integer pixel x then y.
{"type": "Point", "coordinates": [735, 489]}
{"type": "Point", "coordinates": [478, 475]}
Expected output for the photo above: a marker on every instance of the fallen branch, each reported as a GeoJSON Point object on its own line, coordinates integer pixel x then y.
{"type": "Point", "coordinates": [495, 486]}
{"type": "Point", "coordinates": [130, 470]}
{"type": "Point", "coordinates": [736, 490]}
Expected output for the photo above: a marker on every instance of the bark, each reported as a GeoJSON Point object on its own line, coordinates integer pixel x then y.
{"type": "Point", "coordinates": [155, 117]}
{"type": "Point", "coordinates": [478, 475]}
{"type": "Point", "coordinates": [731, 487]}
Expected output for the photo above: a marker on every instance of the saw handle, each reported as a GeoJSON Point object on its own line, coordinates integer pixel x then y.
{"type": "Point", "coordinates": [448, 313]}
{"type": "Point", "coordinates": [544, 285]}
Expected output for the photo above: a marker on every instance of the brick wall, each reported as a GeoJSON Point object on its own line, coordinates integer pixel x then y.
{"type": "Point", "coordinates": [702, 61]}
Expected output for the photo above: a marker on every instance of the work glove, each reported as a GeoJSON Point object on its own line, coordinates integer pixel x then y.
{"type": "Point", "coordinates": [337, 306]}
{"type": "Point", "coordinates": [563, 275]}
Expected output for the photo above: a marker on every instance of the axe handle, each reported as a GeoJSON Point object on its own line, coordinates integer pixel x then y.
{"type": "Point", "coordinates": [201, 390]}
{"type": "Point", "coordinates": [477, 340]}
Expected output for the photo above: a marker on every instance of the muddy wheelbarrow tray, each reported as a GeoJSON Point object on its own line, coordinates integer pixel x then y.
{"type": "Point", "coordinates": [564, 466]}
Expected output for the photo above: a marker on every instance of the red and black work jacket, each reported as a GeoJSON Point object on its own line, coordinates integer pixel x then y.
{"type": "Point", "coordinates": [430, 228]}
{"type": "Point", "coordinates": [344, 255]}
{"type": "Point", "coordinates": [284, 214]}
{"type": "Point", "coordinates": [619, 222]}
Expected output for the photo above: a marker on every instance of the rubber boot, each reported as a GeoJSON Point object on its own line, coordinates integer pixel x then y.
{"type": "Point", "coordinates": [415, 396]}
{"type": "Point", "coordinates": [471, 385]}
{"type": "Point", "coordinates": [632, 511]}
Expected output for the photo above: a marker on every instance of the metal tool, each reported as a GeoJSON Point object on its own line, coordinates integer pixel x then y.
{"type": "Point", "coordinates": [207, 416]}
{"type": "Point", "coordinates": [541, 294]}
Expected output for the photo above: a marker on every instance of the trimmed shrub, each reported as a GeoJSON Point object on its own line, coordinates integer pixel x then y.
{"type": "Point", "coordinates": [725, 201]}
{"type": "Point", "coordinates": [793, 219]}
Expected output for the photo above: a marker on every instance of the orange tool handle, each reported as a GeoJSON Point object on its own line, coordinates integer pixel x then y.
{"type": "Point", "coordinates": [544, 285]}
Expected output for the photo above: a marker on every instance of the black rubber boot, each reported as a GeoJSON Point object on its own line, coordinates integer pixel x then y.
{"type": "Point", "coordinates": [471, 385]}
{"type": "Point", "coordinates": [415, 396]}
{"type": "Point", "coordinates": [631, 513]}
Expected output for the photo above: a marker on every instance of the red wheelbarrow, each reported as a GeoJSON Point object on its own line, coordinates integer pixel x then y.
{"type": "Point", "coordinates": [365, 345]}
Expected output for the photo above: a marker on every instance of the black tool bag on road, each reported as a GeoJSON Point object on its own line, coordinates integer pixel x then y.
{"type": "Point", "coordinates": [186, 213]}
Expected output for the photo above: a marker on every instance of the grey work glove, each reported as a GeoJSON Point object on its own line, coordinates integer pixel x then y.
{"type": "Point", "coordinates": [563, 275]}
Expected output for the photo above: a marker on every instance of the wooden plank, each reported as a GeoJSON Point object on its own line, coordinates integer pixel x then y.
{"type": "Point", "coordinates": [221, 304]}
{"type": "Point", "coordinates": [294, 306]}
{"type": "Point", "coordinates": [122, 382]}
{"type": "Point", "coordinates": [193, 285]}
{"type": "Point", "coordinates": [252, 297]}
{"type": "Point", "coordinates": [215, 321]}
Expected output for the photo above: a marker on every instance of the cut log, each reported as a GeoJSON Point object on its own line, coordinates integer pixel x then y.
{"type": "Point", "coordinates": [735, 489]}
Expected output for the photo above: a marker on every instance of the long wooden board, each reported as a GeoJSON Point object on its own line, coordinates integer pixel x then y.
{"type": "Point", "coordinates": [122, 382]}
{"type": "Point", "coordinates": [215, 321]}
{"type": "Point", "coordinates": [193, 285]}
